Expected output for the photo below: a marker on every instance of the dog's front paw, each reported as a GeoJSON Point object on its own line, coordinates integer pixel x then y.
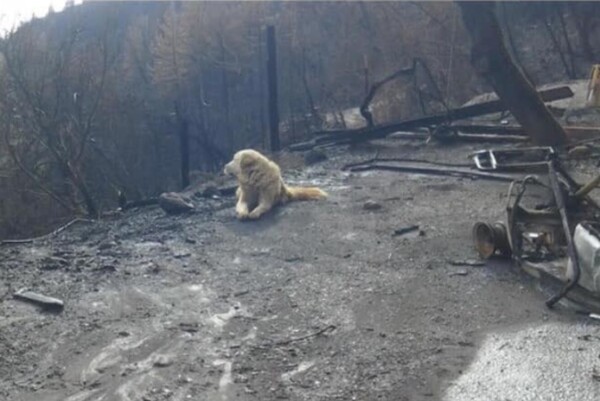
{"type": "Point", "coordinates": [252, 216]}
{"type": "Point", "coordinates": [241, 210]}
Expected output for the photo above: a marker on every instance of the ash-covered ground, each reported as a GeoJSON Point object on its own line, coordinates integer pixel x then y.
{"type": "Point", "coordinates": [317, 301]}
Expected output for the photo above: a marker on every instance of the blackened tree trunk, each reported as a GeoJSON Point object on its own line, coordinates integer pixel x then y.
{"type": "Point", "coordinates": [583, 17]}
{"type": "Point", "coordinates": [272, 83]}
{"type": "Point", "coordinates": [491, 59]}
{"type": "Point", "coordinates": [184, 143]}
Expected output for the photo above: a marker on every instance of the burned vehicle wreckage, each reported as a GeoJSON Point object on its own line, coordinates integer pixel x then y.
{"type": "Point", "coordinates": [550, 229]}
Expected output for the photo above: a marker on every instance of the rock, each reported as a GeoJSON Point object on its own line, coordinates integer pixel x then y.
{"type": "Point", "coordinates": [181, 254]}
{"type": "Point", "coordinates": [108, 268]}
{"type": "Point", "coordinates": [174, 203]}
{"type": "Point", "coordinates": [314, 156]}
{"type": "Point", "coordinates": [153, 268]}
{"type": "Point", "coordinates": [371, 205]}
{"type": "Point", "coordinates": [106, 245]}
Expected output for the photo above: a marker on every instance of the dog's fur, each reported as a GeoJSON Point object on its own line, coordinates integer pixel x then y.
{"type": "Point", "coordinates": [261, 186]}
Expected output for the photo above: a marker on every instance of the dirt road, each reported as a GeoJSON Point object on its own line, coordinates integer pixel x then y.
{"type": "Point", "coordinates": [318, 301]}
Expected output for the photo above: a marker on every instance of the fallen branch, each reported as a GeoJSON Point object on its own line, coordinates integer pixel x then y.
{"type": "Point", "coordinates": [364, 107]}
{"type": "Point", "coordinates": [405, 230]}
{"type": "Point", "coordinates": [44, 301]}
{"type": "Point", "coordinates": [139, 203]}
{"type": "Point", "coordinates": [327, 329]}
{"type": "Point", "coordinates": [53, 233]}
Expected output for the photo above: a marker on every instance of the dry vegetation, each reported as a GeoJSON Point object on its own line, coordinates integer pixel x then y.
{"type": "Point", "coordinates": [108, 97]}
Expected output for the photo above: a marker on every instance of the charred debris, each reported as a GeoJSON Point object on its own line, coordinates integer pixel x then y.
{"type": "Point", "coordinates": [557, 240]}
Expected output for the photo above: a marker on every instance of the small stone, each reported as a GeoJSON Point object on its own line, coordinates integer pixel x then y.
{"type": "Point", "coordinates": [162, 361]}
{"type": "Point", "coordinates": [371, 205]}
{"type": "Point", "coordinates": [461, 272]}
{"type": "Point", "coordinates": [106, 245]}
{"type": "Point", "coordinates": [108, 268]}
{"type": "Point", "coordinates": [181, 254]}
{"type": "Point", "coordinates": [189, 327]}
{"type": "Point", "coordinates": [174, 203]}
{"type": "Point", "coordinates": [152, 267]}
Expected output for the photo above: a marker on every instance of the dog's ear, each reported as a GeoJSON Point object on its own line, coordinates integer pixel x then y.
{"type": "Point", "coordinates": [247, 161]}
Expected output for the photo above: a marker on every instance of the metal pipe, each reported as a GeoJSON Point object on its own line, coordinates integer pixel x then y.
{"type": "Point", "coordinates": [583, 191]}
{"type": "Point", "coordinates": [571, 251]}
{"type": "Point", "coordinates": [432, 170]}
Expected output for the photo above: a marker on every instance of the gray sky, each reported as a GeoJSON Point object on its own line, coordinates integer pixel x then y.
{"type": "Point", "coordinates": [12, 13]}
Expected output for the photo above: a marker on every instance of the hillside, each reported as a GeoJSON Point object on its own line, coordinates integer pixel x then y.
{"type": "Point", "coordinates": [109, 97]}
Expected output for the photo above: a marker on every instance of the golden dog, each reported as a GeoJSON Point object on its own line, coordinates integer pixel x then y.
{"type": "Point", "coordinates": [261, 186]}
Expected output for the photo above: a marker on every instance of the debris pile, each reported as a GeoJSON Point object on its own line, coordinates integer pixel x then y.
{"type": "Point", "coordinates": [557, 238]}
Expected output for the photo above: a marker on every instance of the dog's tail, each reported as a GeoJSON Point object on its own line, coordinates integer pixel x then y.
{"type": "Point", "coordinates": [305, 193]}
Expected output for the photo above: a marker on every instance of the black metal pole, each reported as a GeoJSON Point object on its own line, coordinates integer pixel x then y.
{"type": "Point", "coordinates": [571, 251]}
{"type": "Point", "coordinates": [272, 84]}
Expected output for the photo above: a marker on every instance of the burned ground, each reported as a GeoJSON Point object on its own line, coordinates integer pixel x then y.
{"type": "Point", "coordinates": [317, 301]}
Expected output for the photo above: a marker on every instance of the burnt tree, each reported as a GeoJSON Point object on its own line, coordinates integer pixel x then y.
{"type": "Point", "coordinates": [272, 84]}
{"type": "Point", "coordinates": [491, 59]}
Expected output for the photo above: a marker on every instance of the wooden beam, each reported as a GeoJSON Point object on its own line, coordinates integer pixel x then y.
{"type": "Point", "coordinates": [381, 131]}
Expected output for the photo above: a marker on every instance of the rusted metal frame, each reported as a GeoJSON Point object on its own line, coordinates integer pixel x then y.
{"type": "Point", "coordinates": [571, 251]}
{"type": "Point", "coordinates": [493, 155]}
{"type": "Point", "coordinates": [515, 240]}
{"type": "Point", "coordinates": [574, 186]}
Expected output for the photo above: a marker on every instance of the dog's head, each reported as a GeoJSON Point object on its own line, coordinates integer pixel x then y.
{"type": "Point", "coordinates": [242, 161]}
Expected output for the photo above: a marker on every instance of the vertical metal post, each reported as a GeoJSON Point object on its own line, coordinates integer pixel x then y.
{"type": "Point", "coordinates": [272, 90]}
